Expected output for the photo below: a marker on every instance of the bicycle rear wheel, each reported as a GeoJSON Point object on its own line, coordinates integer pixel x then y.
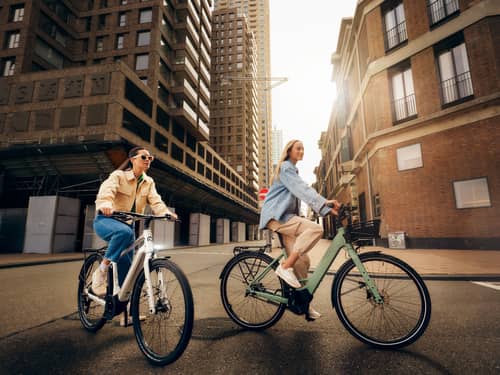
{"type": "Point", "coordinates": [91, 313]}
{"type": "Point", "coordinates": [243, 308]}
{"type": "Point", "coordinates": [406, 309]}
{"type": "Point", "coordinates": [164, 334]}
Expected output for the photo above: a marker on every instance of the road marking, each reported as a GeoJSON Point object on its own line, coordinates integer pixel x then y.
{"type": "Point", "coordinates": [196, 253]}
{"type": "Point", "coordinates": [492, 285]}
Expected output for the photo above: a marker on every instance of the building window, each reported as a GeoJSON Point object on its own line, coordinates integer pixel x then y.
{"type": "Point", "coordinates": [377, 208]}
{"type": "Point", "coordinates": [409, 157]}
{"type": "Point", "coordinates": [12, 39]}
{"type": "Point", "coordinates": [395, 26]}
{"type": "Point", "coordinates": [456, 82]}
{"type": "Point", "coordinates": [143, 38]}
{"type": "Point", "coordinates": [99, 44]}
{"type": "Point", "coordinates": [101, 22]}
{"type": "Point", "coordinates": [441, 9]}
{"type": "Point", "coordinates": [472, 193]}
{"type": "Point", "coordinates": [146, 16]}
{"type": "Point", "coordinates": [403, 95]}
{"type": "Point", "coordinates": [141, 62]}
{"type": "Point", "coordinates": [9, 66]}
{"type": "Point", "coordinates": [16, 13]}
{"type": "Point", "coordinates": [122, 19]}
{"type": "Point", "coordinates": [120, 41]}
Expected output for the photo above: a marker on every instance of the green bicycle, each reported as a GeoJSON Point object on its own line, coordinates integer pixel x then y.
{"type": "Point", "coordinates": [379, 299]}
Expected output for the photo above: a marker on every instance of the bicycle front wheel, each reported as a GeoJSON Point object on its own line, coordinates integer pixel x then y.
{"type": "Point", "coordinates": [403, 315]}
{"type": "Point", "coordinates": [91, 313]}
{"type": "Point", "coordinates": [164, 334]}
{"type": "Point", "coordinates": [243, 308]}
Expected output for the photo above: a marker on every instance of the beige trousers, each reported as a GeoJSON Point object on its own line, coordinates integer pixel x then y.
{"type": "Point", "coordinates": [299, 235]}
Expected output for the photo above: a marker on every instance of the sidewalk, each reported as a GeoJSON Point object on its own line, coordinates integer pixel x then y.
{"type": "Point", "coordinates": [431, 263]}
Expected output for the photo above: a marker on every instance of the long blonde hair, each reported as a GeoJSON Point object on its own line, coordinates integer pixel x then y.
{"type": "Point", "coordinates": [285, 154]}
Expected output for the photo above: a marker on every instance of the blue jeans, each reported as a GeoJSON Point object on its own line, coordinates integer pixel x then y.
{"type": "Point", "coordinates": [119, 237]}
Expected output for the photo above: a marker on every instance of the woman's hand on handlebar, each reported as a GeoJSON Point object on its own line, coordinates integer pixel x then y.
{"type": "Point", "coordinates": [107, 211]}
{"type": "Point", "coordinates": [173, 215]}
{"type": "Point", "coordinates": [335, 206]}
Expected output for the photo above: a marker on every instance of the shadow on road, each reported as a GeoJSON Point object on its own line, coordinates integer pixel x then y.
{"type": "Point", "coordinates": [401, 360]}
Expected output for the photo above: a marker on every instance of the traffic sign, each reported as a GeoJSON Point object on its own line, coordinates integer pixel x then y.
{"type": "Point", "coordinates": [263, 193]}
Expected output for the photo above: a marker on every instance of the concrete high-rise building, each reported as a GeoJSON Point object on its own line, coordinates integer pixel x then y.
{"type": "Point", "coordinates": [234, 132]}
{"type": "Point", "coordinates": [82, 82]}
{"type": "Point", "coordinates": [414, 135]}
{"type": "Point", "coordinates": [277, 142]}
{"type": "Point", "coordinates": [257, 12]}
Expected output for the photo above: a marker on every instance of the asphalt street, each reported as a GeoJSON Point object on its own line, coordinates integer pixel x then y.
{"type": "Point", "coordinates": [40, 331]}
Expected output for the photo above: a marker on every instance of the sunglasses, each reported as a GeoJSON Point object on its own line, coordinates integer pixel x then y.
{"type": "Point", "coordinates": [145, 157]}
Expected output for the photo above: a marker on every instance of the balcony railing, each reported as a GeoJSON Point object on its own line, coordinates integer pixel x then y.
{"type": "Point", "coordinates": [396, 35]}
{"type": "Point", "coordinates": [205, 72]}
{"type": "Point", "coordinates": [440, 9]}
{"type": "Point", "coordinates": [190, 67]}
{"type": "Point", "coordinates": [189, 111]}
{"type": "Point", "coordinates": [205, 90]}
{"type": "Point", "coordinates": [205, 37]}
{"type": "Point", "coordinates": [190, 89]}
{"type": "Point", "coordinates": [191, 49]}
{"type": "Point", "coordinates": [404, 108]}
{"type": "Point", "coordinates": [457, 88]}
{"type": "Point", "coordinates": [204, 109]}
{"type": "Point", "coordinates": [192, 30]}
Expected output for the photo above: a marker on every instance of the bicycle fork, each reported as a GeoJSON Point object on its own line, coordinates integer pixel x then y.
{"type": "Point", "coordinates": [372, 288]}
{"type": "Point", "coordinates": [149, 250]}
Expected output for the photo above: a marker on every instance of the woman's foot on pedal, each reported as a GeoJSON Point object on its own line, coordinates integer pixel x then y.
{"type": "Point", "coordinates": [313, 314]}
{"type": "Point", "coordinates": [288, 276]}
{"type": "Point", "coordinates": [99, 282]}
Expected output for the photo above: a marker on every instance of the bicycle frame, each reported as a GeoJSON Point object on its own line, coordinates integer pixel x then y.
{"type": "Point", "coordinates": [312, 283]}
{"type": "Point", "coordinates": [141, 261]}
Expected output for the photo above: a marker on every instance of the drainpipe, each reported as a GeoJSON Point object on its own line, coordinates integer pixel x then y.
{"type": "Point", "coordinates": [369, 174]}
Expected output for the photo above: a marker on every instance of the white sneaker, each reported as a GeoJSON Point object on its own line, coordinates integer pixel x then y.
{"type": "Point", "coordinates": [99, 281]}
{"type": "Point", "coordinates": [288, 276]}
{"type": "Point", "coordinates": [313, 314]}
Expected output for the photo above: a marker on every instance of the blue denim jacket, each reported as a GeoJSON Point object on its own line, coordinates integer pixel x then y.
{"type": "Point", "coordinates": [283, 199]}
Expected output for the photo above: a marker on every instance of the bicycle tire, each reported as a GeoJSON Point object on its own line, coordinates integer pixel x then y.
{"type": "Point", "coordinates": [176, 309]}
{"type": "Point", "coordinates": [234, 297]}
{"type": "Point", "coordinates": [92, 322]}
{"type": "Point", "coordinates": [406, 302]}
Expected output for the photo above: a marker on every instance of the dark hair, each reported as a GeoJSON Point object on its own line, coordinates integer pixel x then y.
{"type": "Point", "coordinates": [133, 152]}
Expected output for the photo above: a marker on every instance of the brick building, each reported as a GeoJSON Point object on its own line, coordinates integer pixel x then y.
{"type": "Point", "coordinates": [234, 132]}
{"type": "Point", "coordinates": [84, 81]}
{"type": "Point", "coordinates": [414, 135]}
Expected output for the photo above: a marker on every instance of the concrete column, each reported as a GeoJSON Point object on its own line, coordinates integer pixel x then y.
{"type": "Point", "coordinates": [90, 239]}
{"type": "Point", "coordinates": [163, 233]}
{"type": "Point", "coordinates": [199, 229]}
{"type": "Point", "coordinates": [223, 230]}
{"type": "Point", "coordinates": [51, 224]}
{"type": "Point", "coordinates": [238, 231]}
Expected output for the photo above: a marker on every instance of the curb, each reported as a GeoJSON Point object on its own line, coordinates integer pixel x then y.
{"type": "Point", "coordinates": [39, 263]}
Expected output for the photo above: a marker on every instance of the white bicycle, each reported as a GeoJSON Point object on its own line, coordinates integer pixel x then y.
{"type": "Point", "coordinates": [161, 301]}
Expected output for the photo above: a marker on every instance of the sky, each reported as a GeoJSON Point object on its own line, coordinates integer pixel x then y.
{"type": "Point", "coordinates": [303, 37]}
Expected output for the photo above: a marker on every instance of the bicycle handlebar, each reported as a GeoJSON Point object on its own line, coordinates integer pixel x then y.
{"type": "Point", "coordinates": [134, 216]}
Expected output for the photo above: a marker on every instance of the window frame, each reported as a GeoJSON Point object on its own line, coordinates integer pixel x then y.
{"type": "Point", "coordinates": [399, 27]}
{"type": "Point", "coordinates": [446, 46]}
{"type": "Point", "coordinates": [456, 196]}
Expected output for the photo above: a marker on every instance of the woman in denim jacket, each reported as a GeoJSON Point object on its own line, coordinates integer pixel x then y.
{"type": "Point", "coordinates": [280, 213]}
